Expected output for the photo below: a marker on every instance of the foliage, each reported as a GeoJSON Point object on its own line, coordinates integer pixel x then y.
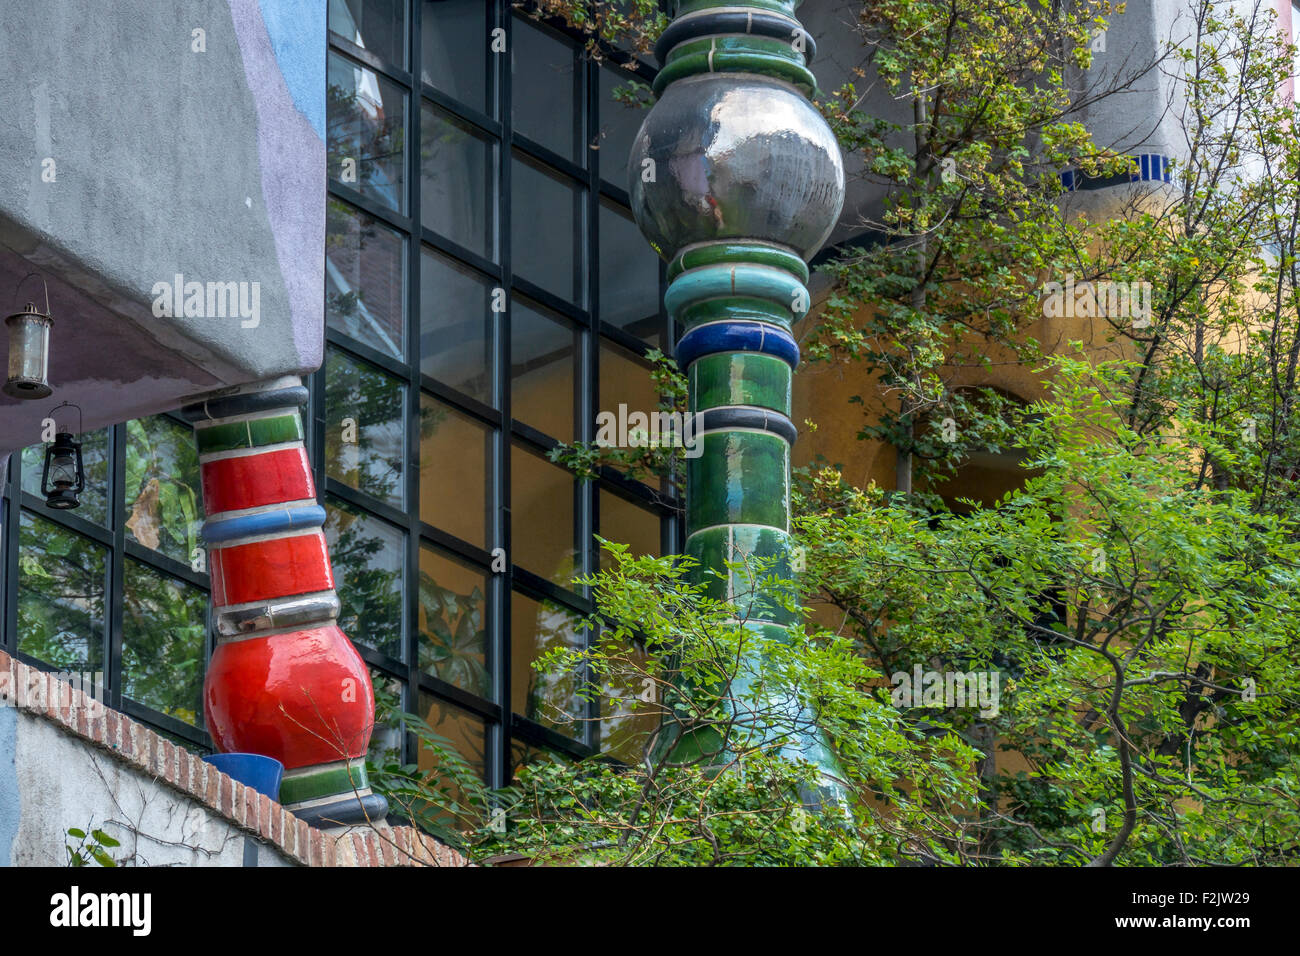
{"type": "Point", "coordinates": [91, 848]}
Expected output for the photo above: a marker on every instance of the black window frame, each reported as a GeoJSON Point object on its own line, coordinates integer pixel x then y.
{"type": "Point", "coordinates": [505, 730]}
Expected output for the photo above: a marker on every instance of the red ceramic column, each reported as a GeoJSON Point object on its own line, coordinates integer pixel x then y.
{"type": "Point", "coordinates": [284, 680]}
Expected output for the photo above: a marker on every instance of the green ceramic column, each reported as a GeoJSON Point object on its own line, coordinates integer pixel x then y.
{"type": "Point", "coordinates": [737, 181]}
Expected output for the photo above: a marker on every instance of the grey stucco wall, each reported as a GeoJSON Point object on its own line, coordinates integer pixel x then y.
{"type": "Point", "coordinates": [51, 780]}
{"type": "Point", "coordinates": [167, 159]}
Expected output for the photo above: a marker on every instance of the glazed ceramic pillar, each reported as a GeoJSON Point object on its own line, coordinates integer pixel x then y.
{"type": "Point", "coordinates": [284, 680]}
{"type": "Point", "coordinates": [737, 181]}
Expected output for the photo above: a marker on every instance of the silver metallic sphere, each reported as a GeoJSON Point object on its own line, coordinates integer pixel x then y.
{"type": "Point", "coordinates": [735, 157]}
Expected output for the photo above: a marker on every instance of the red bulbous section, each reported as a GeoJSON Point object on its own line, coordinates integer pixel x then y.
{"type": "Point", "coordinates": [302, 697]}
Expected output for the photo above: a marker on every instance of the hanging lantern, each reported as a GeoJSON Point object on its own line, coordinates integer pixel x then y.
{"type": "Point", "coordinates": [29, 350]}
{"type": "Point", "coordinates": [64, 475]}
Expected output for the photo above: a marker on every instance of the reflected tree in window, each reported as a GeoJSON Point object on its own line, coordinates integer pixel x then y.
{"type": "Point", "coordinates": [163, 623]}
{"type": "Point", "coordinates": [163, 502]}
{"type": "Point", "coordinates": [61, 578]}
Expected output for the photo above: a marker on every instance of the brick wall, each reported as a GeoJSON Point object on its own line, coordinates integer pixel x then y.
{"type": "Point", "coordinates": [130, 742]}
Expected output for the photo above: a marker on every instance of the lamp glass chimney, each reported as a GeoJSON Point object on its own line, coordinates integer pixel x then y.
{"type": "Point", "coordinates": [29, 354]}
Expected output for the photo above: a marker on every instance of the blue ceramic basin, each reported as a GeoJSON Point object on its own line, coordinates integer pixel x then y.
{"type": "Point", "coordinates": [263, 774]}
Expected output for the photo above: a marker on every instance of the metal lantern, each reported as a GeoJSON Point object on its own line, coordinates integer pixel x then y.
{"type": "Point", "coordinates": [29, 351]}
{"type": "Point", "coordinates": [64, 476]}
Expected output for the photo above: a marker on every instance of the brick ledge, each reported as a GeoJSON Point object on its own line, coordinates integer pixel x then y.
{"type": "Point", "coordinates": [134, 744]}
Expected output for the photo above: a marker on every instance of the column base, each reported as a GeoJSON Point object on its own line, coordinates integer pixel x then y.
{"type": "Point", "coordinates": [353, 809]}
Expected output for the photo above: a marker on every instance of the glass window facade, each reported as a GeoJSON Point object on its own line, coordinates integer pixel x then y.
{"type": "Point", "coordinates": [487, 293]}
{"type": "Point", "coordinates": [117, 589]}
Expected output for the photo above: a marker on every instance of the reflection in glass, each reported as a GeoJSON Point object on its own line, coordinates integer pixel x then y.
{"type": "Point", "coordinates": [94, 457]}
{"type": "Point", "coordinates": [61, 578]}
{"type": "Point", "coordinates": [619, 124]}
{"type": "Point", "coordinates": [543, 354]}
{"type": "Point", "coordinates": [524, 754]}
{"type": "Point", "coordinates": [363, 279]}
{"type": "Point", "coordinates": [546, 92]}
{"type": "Point", "coordinates": [625, 379]}
{"type": "Point", "coordinates": [456, 321]}
{"type": "Point", "coordinates": [630, 708]}
{"type": "Point", "coordinates": [364, 440]}
{"type": "Point", "coordinates": [456, 180]}
{"type": "Point", "coordinates": [454, 46]}
{"type": "Point", "coordinates": [368, 557]}
{"type": "Point", "coordinates": [375, 25]}
{"type": "Point", "coordinates": [550, 697]}
{"type": "Point", "coordinates": [385, 749]}
{"type": "Point", "coordinates": [163, 622]}
{"type": "Point", "coordinates": [464, 751]}
{"type": "Point", "coordinates": [542, 517]}
{"type": "Point", "coordinates": [454, 450]}
{"type": "Point", "coordinates": [164, 503]}
{"type": "Point", "coordinates": [367, 132]}
{"type": "Point", "coordinates": [453, 622]}
{"type": "Point", "coordinates": [629, 275]}
{"type": "Point", "coordinates": [545, 215]}
{"type": "Point", "coordinates": [626, 523]}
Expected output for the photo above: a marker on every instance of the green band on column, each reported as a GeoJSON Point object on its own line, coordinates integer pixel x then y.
{"type": "Point", "coordinates": [249, 434]}
{"type": "Point", "coordinates": [765, 553]}
{"type": "Point", "coordinates": [780, 6]}
{"type": "Point", "coordinates": [740, 378]}
{"type": "Point", "coordinates": [734, 310]}
{"type": "Point", "coordinates": [732, 252]}
{"type": "Point", "coordinates": [765, 64]}
{"type": "Point", "coordinates": [742, 477]}
{"type": "Point", "coordinates": [335, 780]}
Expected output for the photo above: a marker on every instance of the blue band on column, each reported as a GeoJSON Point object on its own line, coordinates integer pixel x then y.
{"type": "Point", "coordinates": [736, 337]}
{"type": "Point", "coordinates": [218, 530]}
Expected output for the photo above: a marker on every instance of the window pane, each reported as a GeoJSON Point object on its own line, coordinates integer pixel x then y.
{"type": "Point", "coordinates": [375, 25]}
{"type": "Point", "coordinates": [467, 739]}
{"type": "Point", "coordinates": [619, 124]}
{"type": "Point", "coordinates": [386, 739]}
{"type": "Point", "coordinates": [542, 517]}
{"type": "Point", "coordinates": [545, 216]}
{"type": "Point", "coordinates": [163, 623]}
{"type": "Point", "coordinates": [363, 279]}
{"type": "Point", "coordinates": [629, 276]}
{"type": "Point", "coordinates": [60, 595]}
{"type": "Point", "coordinates": [524, 754]}
{"type": "Point", "coordinates": [368, 557]}
{"type": "Point", "coordinates": [630, 708]}
{"type": "Point", "coordinates": [454, 47]}
{"type": "Point", "coordinates": [546, 94]}
{"type": "Point", "coordinates": [457, 180]}
{"type": "Point", "coordinates": [94, 458]}
{"type": "Point", "coordinates": [627, 523]}
{"type": "Point", "coordinates": [544, 349]}
{"type": "Point", "coordinates": [367, 132]}
{"type": "Point", "coordinates": [164, 504]}
{"type": "Point", "coordinates": [364, 441]}
{"type": "Point", "coordinates": [549, 698]}
{"type": "Point", "coordinates": [454, 455]}
{"type": "Point", "coordinates": [625, 379]}
{"type": "Point", "coordinates": [456, 321]}
{"type": "Point", "coordinates": [453, 622]}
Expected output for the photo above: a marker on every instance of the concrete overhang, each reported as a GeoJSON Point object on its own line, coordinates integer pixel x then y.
{"type": "Point", "coordinates": [143, 141]}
